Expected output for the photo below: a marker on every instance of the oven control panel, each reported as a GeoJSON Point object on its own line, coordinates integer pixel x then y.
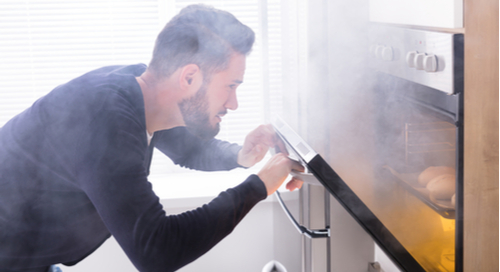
{"type": "Point", "coordinates": [424, 57]}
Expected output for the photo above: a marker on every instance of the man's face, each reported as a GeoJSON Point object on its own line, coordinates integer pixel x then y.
{"type": "Point", "coordinates": [203, 111]}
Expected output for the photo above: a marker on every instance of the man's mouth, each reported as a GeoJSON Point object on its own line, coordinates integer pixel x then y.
{"type": "Point", "coordinates": [221, 114]}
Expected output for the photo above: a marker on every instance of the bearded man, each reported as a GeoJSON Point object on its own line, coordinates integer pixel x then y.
{"type": "Point", "coordinates": [74, 166]}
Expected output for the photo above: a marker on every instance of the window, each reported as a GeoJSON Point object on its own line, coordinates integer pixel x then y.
{"type": "Point", "coordinates": [46, 43]}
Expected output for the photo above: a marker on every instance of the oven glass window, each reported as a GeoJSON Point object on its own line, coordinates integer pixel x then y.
{"type": "Point", "coordinates": [415, 180]}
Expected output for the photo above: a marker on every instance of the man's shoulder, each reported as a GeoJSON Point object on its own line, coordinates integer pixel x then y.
{"type": "Point", "coordinates": [100, 84]}
{"type": "Point", "coordinates": [99, 91]}
{"type": "Point", "coordinates": [120, 70]}
{"type": "Point", "coordinates": [116, 74]}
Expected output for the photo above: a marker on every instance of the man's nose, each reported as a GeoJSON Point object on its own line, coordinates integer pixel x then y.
{"type": "Point", "coordinates": [232, 101]}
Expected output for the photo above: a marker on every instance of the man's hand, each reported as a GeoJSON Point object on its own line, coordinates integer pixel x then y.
{"type": "Point", "coordinates": [276, 170]}
{"type": "Point", "coordinates": [294, 183]}
{"type": "Point", "coordinates": [256, 145]}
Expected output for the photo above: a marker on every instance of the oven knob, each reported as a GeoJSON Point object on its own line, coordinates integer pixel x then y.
{"type": "Point", "coordinates": [378, 51]}
{"type": "Point", "coordinates": [430, 63]}
{"type": "Point", "coordinates": [419, 61]}
{"type": "Point", "coordinates": [387, 53]}
{"type": "Point", "coordinates": [410, 58]}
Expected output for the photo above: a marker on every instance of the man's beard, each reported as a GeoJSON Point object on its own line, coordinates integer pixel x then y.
{"type": "Point", "coordinates": [194, 110]}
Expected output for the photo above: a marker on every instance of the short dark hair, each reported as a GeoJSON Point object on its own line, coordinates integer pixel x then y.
{"type": "Point", "coordinates": [200, 35]}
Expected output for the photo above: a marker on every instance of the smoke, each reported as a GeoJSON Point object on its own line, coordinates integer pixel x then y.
{"type": "Point", "coordinates": [360, 111]}
{"type": "Point", "coordinates": [340, 100]}
{"type": "Point", "coordinates": [357, 128]}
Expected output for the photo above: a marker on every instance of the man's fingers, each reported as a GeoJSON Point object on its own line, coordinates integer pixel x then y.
{"type": "Point", "coordinates": [280, 146]}
{"type": "Point", "coordinates": [263, 134]}
{"type": "Point", "coordinates": [270, 136]}
{"type": "Point", "coordinates": [276, 170]}
{"type": "Point", "coordinates": [294, 184]}
{"type": "Point", "coordinates": [259, 152]}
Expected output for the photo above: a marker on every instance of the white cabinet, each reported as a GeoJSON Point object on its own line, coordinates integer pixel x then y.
{"type": "Point", "coordinates": [428, 13]}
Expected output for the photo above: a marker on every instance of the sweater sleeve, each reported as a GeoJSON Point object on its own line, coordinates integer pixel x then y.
{"type": "Point", "coordinates": [113, 176]}
{"type": "Point", "coordinates": [187, 150]}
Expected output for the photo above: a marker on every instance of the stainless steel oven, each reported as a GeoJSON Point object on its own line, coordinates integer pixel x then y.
{"type": "Point", "coordinates": [417, 123]}
{"type": "Point", "coordinates": [419, 130]}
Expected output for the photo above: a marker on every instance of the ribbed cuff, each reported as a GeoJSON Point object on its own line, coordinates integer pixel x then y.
{"type": "Point", "coordinates": [256, 187]}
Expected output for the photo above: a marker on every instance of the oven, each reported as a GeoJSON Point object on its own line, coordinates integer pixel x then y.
{"type": "Point", "coordinates": [409, 199]}
{"type": "Point", "coordinates": [419, 134]}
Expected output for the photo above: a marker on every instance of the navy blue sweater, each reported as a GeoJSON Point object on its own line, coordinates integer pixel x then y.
{"type": "Point", "coordinates": [73, 171]}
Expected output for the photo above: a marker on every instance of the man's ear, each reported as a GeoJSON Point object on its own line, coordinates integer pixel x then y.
{"type": "Point", "coordinates": [190, 78]}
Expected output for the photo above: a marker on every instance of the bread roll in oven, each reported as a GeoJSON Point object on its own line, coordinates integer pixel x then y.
{"type": "Point", "coordinates": [432, 172]}
{"type": "Point", "coordinates": [442, 187]}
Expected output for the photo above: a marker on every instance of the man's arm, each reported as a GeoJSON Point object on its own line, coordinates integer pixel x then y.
{"type": "Point", "coordinates": [111, 173]}
{"type": "Point", "coordinates": [187, 150]}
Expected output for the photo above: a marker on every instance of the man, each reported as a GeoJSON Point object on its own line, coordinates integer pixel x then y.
{"type": "Point", "coordinates": [74, 166]}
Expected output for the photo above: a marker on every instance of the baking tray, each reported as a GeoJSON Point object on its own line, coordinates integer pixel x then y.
{"type": "Point", "coordinates": [410, 181]}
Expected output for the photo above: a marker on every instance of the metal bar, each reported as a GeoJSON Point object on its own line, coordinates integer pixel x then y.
{"type": "Point", "coordinates": [323, 233]}
{"type": "Point", "coordinates": [459, 85]}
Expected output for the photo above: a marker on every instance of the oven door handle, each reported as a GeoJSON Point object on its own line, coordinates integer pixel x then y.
{"type": "Point", "coordinates": [324, 233]}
